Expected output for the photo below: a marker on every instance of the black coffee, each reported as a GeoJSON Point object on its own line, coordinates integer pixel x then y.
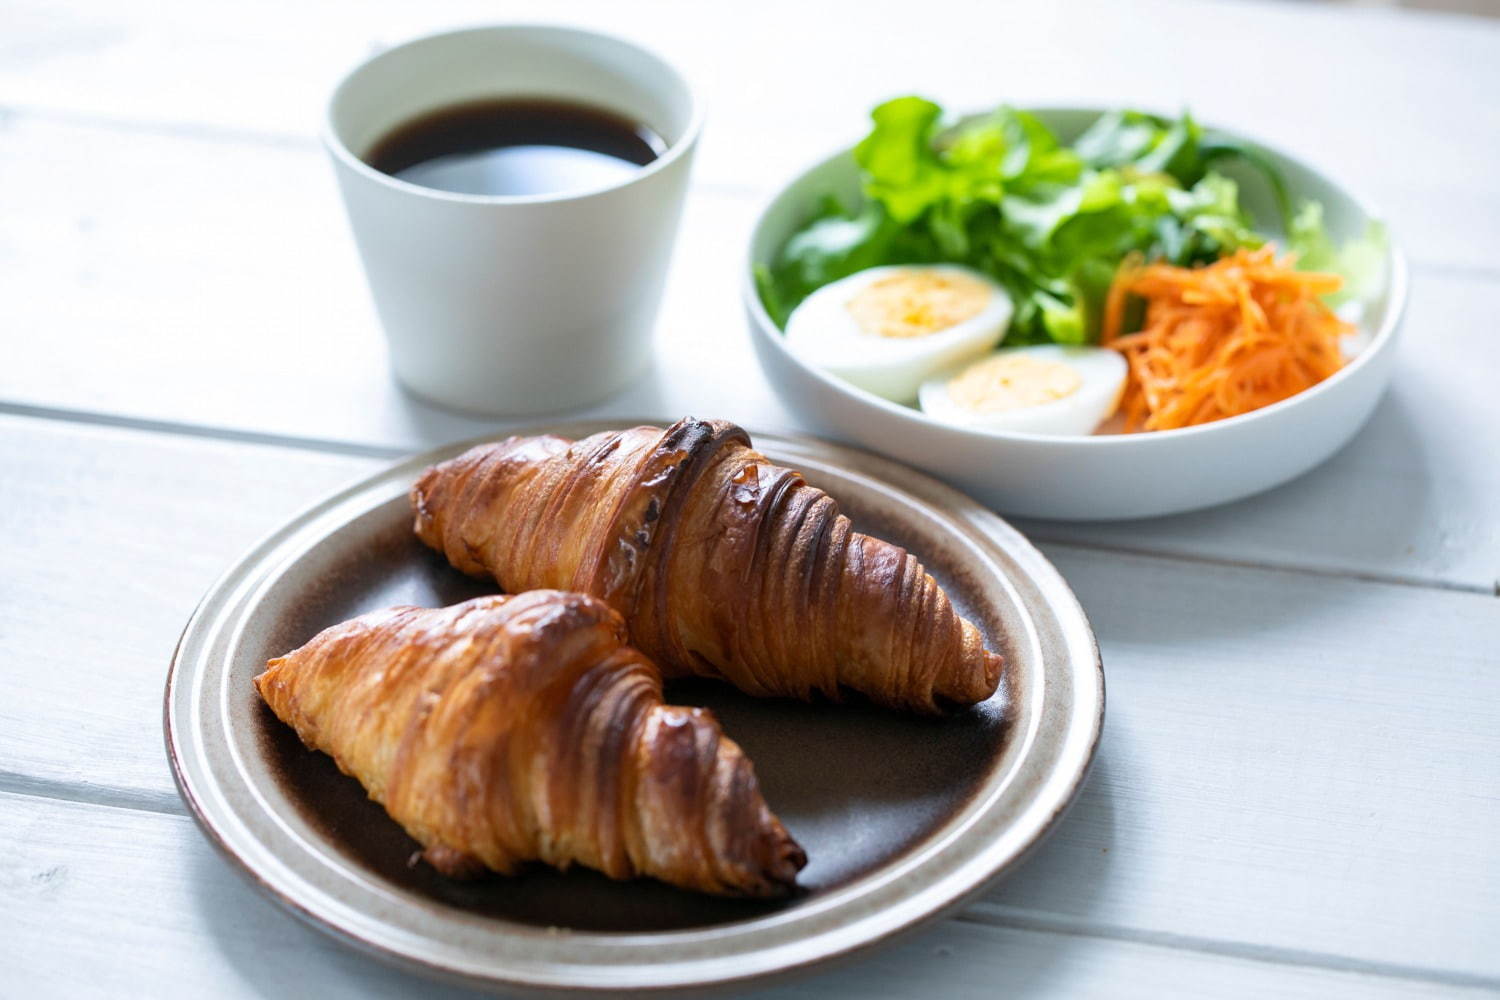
{"type": "Point", "coordinates": [513, 146]}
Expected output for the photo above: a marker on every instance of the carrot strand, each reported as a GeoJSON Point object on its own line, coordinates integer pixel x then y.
{"type": "Point", "coordinates": [1234, 336]}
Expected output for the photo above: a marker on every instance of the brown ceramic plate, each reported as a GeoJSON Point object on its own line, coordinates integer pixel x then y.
{"type": "Point", "coordinates": [902, 818]}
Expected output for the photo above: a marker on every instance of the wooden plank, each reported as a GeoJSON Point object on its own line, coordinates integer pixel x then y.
{"type": "Point", "coordinates": [131, 306]}
{"type": "Point", "coordinates": [111, 537]}
{"type": "Point", "coordinates": [1374, 94]}
{"type": "Point", "coordinates": [1291, 761]}
{"type": "Point", "coordinates": [190, 260]}
{"type": "Point", "coordinates": [1282, 751]}
{"type": "Point", "coordinates": [71, 870]}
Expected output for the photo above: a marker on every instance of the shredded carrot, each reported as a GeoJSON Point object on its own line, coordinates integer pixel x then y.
{"type": "Point", "coordinates": [1243, 332]}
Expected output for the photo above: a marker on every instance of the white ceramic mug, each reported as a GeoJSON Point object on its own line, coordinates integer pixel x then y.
{"type": "Point", "coordinates": [520, 304]}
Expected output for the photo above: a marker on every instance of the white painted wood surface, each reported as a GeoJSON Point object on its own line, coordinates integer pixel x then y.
{"type": "Point", "coordinates": [1157, 845]}
{"type": "Point", "coordinates": [1299, 789]}
{"type": "Point", "coordinates": [291, 319]}
{"type": "Point", "coordinates": [1398, 105]}
{"type": "Point", "coordinates": [203, 932]}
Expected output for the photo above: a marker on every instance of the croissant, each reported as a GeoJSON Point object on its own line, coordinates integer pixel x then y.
{"type": "Point", "coordinates": [723, 564]}
{"type": "Point", "coordinates": [512, 729]}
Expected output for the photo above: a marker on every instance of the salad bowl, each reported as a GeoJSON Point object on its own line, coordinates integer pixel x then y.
{"type": "Point", "coordinates": [1098, 476]}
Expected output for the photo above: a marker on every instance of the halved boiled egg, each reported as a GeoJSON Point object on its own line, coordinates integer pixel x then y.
{"type": "Point", "coordinates": [886, 329]}
{"type": "Point", "coordinates": [1045, 389]}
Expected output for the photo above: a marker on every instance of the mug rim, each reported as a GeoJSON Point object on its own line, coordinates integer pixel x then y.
{"type": "Point", "coordinates": [675, 150]}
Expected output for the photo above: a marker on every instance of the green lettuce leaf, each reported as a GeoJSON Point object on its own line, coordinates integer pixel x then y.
{"type": "Point", "coordinates": [1360, 262]}
{"type": "Point", "coordinates": [1050, 223]}
{"type": "Point", "coordinates": [901, 169]}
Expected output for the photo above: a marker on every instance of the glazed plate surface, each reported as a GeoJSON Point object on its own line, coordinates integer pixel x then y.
{"type": "Point", "coordinates": [901, 817]}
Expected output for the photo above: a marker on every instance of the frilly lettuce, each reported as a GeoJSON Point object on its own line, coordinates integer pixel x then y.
{"type": "Point", "coordinates": [1361, 261]}
{"type": "Point", "coordinates": [1050, 223]}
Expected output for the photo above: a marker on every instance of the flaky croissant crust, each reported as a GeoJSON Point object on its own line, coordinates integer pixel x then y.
{"type": "Point", "coordinates": [723, 564]}
{"type": "Point", "coordinates": [512, 729]}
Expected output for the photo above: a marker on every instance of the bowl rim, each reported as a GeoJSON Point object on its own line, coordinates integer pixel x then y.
{"type": "Point", "coordinates": [1397, 279]}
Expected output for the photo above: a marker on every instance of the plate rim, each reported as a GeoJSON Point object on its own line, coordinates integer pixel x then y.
{"type": "Point", "coordinates": [1040, 814]}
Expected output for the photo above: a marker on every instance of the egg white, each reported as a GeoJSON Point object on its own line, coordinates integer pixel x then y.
{"type": "Point", "coordinates": [1102, 372]}
{"type": "Point", "coordinates": [822, 332]}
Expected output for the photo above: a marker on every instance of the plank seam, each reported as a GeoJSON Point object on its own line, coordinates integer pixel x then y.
{"type": "Point", "coordinates": [93, 419]}
{"type": "Point", "coordinates": [205, 132]}
{"type": "Point", "coordinates": [996, 915]}
{"type": "Point", "coordinates": [391, 453]}
{"type": "Point", "coordinates": [981, 914]}
{"type": "Point", "coordinates": [195, 131]}
{"type": "Point", "coordinates": [1225, 562]}
{"type": "Point", "coordinates": [84, 793]}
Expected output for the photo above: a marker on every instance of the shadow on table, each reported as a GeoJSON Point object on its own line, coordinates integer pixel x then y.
{"type": "Point", "coordinates": [278, 956]}
{"type": "Point", "coordinates": [429, 425]}
{"type": "Point", "coordinates": [991, 949]}
{"type": "Point", "coordinates": [433, 425]}
{"type": "Point", "coordinates": [1066, 876]}
{"type": "Point", "coordinates": [1327, 519]}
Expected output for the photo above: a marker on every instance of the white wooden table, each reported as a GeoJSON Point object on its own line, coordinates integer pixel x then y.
{"type": "Point", "coordinates": [1298, 791]}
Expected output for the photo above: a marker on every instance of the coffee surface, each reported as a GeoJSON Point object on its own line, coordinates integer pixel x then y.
{"type": "Point", "coordinates": [516, 146]}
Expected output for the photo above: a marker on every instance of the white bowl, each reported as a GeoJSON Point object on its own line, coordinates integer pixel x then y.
{"type": "Point", "coordinates": [1093, 477]}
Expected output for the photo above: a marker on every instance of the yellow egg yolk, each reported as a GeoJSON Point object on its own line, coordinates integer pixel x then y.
{"type": "Point", "coordinates": [917, 303]}
{"type": "Point", "coordinates": [1011, 382]}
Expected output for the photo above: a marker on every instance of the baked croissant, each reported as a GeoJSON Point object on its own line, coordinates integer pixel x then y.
{"type": "Point", "coordinates": [723, 564]}
{"type": "Point", "coordinates": [512, 729]}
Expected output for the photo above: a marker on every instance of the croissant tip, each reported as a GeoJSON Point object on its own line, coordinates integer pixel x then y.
{"type": "Point", "coordinates": [793, 859]}
{"type": "Point", "coordinates": [417, 498]}
{"type": "Point", "coordinates": [783, 860]}
{"type": "Point", "coordinates": [974, 677]}
{"type": "Point", "coordinates": [994, 667]}
{"type": "Point", "coordinates": [779, 879]}
{"type": "Point", "coordinates": [451, 862]}
{"type": "Point", "coordinates": [263, 679]}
